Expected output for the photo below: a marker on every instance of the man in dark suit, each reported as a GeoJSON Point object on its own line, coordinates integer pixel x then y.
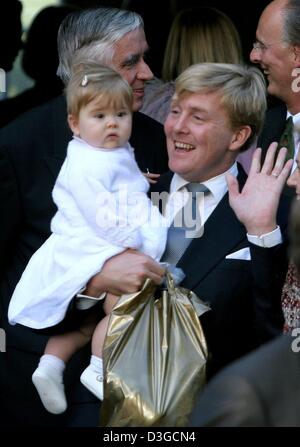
{"type": "Point", "coordinates": [262, 389]}
{"type": "Point", "coordinates": [238, 265]}
{"type": "Point", "coordinates": [226, 267]}
{"type": "Point", "coordinates": [32, 150]}
{"type": "Point", "coordinates": [277, 51]}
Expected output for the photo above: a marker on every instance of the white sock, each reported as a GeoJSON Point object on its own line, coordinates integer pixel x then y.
{"type": "Point", "coordinates": [52, 364]}
{"type": "Point", "coordinates": [48, 380]}
{"type": "Point", "coordinates": [97, 363]}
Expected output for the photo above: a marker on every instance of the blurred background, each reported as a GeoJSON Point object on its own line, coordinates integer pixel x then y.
{"type": "Point", "coordinates": [157, 14]}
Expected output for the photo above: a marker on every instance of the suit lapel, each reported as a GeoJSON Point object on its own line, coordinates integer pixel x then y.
{"type": "Point", "coordinates": [61, 131]}
{"type": "Point", "coordinates": [273, 127]}
{"type": "Point", "coordinates": [272, 131]}
{"type": "Point", "coordinates": [222, 233]}
{"type": "Point", "coordinates": [61, 135]}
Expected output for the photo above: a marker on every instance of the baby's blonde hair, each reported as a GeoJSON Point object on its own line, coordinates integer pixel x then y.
{"type": "Point", "coordinates": [90, 81]}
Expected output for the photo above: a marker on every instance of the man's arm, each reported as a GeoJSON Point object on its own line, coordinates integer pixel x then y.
{"type": "Point", "coordinates": [125, 273]}
{"type": "Point", "coordinates": [10, 209]}
{"type": "Point", "coordinates": [256, 207]}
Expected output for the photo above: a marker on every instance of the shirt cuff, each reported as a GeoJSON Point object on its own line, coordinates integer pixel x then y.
{"type": "Point", "coordinates": [82, 295]}
{"type": "Point", "coordinates": [267, 240]}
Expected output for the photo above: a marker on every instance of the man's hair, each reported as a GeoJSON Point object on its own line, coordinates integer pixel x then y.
{"type": "Point", "coordinates": [91, 81]}
{"type": "Point", "coordinates": [291, 23]}
{"type": "Point", "coordinates": [242, 90]}
{"type": "Point", "coordinates": [295, 234]}
{"type": "Point", "coordinates": [91, 35]}
{"type": "Point", "coordinates": [200, 35]}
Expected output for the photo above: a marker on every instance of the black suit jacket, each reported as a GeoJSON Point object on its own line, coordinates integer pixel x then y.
{"type": "Point", "coordinates": [32, 150]}
{"type": "Point", "coordinates": [273, 127]}
{"type": "Point", "coordinates": [244, 296]}
{"type": "Point", "coordinates": [260, 390]}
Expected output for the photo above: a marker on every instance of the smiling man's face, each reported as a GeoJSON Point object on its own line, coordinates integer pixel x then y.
{"type": "Point", "coordinates": [199, 136]}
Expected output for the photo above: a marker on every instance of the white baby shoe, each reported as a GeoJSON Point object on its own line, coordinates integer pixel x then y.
{"type": "Point", "coordinates": [51, 390]}
{"type": "Point", "coordinates": [93, 381]}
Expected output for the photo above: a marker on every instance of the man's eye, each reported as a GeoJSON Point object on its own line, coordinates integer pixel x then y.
{"type": "Point", "coordinates": [131, 62]}
{"type": "Point", "coordinates": [174, 111]}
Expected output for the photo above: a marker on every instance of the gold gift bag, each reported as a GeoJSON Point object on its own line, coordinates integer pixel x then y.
{"type": "Point", "coordinates": [155, 358]}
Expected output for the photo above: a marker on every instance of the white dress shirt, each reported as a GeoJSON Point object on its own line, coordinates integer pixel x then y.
{"type": "Point", "coordinates": [296, 121]}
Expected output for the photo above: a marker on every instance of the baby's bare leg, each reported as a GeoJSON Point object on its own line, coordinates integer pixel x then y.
{"type": "Point", "coordinates": [101, 329]}
{"type": "Point", "coordinates": [93, 376]}
{"type": "Point", "coordinates": [65, 345]}
{"type": "Point", "coordinates": [48, 377]}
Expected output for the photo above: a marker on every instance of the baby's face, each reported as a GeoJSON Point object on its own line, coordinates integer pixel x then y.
{"type": "Point", "coordinates": [103, 127]}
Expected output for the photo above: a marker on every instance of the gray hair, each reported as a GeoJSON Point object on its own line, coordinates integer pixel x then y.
{"type": "Point", "coordinates": [291, 24]}
{"type": "Point", "coordinates": [91, 34]}
{"type": "Point", "coordinates": [242, 89]}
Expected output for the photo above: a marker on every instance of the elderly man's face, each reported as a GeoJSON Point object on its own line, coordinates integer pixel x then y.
{"type": "Point", "coordinates": [275, 57]}
{"type": "Point", "coordinates": [199, 137]}
{"type": "Point", "coordinates": [129, 61]}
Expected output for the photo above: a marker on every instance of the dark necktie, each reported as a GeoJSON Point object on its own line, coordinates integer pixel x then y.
{"type": "Point", "coordinates": [185, 226]}
{"type": "Point", "coordinates": [287, 138]}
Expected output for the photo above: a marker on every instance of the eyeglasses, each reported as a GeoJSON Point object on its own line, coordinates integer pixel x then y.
{"type": "Point", "coordinates": [263, 47]}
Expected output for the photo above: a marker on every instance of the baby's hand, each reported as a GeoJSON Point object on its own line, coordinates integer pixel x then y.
{"type": "Point", "coordinates": [152, 178]}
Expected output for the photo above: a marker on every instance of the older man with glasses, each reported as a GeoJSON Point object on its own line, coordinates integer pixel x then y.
{"type": "Point", "coordinates": [277, 51]}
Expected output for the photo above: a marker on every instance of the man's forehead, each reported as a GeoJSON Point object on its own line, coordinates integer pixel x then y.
{"type": "Point", "coordinates": [193, 98]}
{"type": "Point", "coordinates": [271, 21]}
{"type": "Point", "coordinates": [133, 43]}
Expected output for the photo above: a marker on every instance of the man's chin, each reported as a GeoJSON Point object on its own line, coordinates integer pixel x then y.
{"type": "Point", "coordinates": [137, 104]}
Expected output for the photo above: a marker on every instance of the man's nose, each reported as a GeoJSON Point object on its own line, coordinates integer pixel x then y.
{"type": "Point", "coordinates": [180, 125]}
{"type": "Point", "coordinates": [144, 73]}
{"type": "Point", "coordinates": [255, 55]}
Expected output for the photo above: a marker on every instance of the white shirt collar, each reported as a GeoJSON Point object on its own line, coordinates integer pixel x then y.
{"type": "Point", "coordinates": [216, 185]}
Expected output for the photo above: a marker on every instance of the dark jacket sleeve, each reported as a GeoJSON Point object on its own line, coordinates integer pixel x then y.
{"type": "Point", "coordinates": [10, 209]}
{"type": "Point", "coordinates": [269, 269]}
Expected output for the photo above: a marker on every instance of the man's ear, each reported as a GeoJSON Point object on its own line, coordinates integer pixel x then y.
{"type": "Point", "coordinates": [296, 51]}
{"type": "Point", "coordinates": [239, 138]}
{"type": "Point", "coordinates": [74, 124]}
